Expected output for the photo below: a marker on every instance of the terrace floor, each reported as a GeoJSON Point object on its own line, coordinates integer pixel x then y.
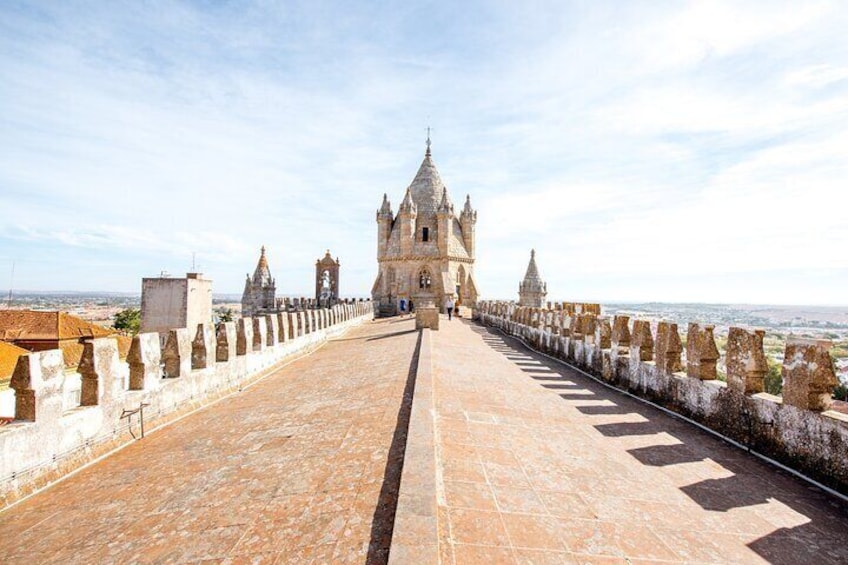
{"type": "Point", "coordinates": [534, 463]}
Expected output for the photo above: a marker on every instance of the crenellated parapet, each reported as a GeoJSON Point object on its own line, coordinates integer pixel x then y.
{"type": "Point", "coordinates": [64, 419]}
{"type": "Point", "coordinates": [798, 429]}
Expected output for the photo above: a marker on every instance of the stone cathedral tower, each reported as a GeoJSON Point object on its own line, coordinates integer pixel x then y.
{"type": "Point", "coordinates": [532, 290]}
{"type": "Point", "coordinates": [259, 292]}
{"type": "Point", "coordinates": [426, 251]}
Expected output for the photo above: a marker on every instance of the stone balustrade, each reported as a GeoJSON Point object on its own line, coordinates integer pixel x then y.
{"type": "Point", "coordinates": [48, 438]}
{"type": "Point", "coordinates": [798, 429]}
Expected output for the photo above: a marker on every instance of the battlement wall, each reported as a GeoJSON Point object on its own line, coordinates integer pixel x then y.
{"type": "Point", "coordinates": [65, 419]}
{"type": "Point", "coordinates": [797, 429]}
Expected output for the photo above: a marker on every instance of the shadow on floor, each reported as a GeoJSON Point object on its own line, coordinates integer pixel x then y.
{"type": "Point", "coordinates": [752, 482]}
{"type": "Point", "coordinates": [382, 524]}
{"type": "Point", "coordinates": [393, 334]}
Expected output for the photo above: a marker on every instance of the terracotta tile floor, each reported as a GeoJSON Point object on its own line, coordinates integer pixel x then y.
{"type": "Point", "coordinates": [289, 471]}
{"type": "Point", "coordinates": [538, 464]}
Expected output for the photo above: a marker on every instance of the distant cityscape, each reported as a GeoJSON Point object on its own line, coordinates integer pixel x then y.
{"type": "Point", "coordinates": [829, 322]}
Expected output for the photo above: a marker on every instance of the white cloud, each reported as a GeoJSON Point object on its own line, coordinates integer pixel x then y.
{"type": "Point", "coordinates": [623, 140]}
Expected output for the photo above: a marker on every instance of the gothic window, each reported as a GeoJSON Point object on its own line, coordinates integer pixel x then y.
{"type": "Point", "coordinates": [424, 279]}
{"type": "Point", "coordinates": [425, 234]}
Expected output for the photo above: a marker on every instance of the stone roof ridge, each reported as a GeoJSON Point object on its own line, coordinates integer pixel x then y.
{"type": "Point", "coordinates": [427, 187]}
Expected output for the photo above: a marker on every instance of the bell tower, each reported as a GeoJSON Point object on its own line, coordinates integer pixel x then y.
{"type": "Point", "coordinates": [327, 280]}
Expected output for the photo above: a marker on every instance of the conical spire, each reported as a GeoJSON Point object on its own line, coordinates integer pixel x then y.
{"type": "Point", "coordinates": [386, 208]}
{"type": "Point", "coordinates": [445, 206]}
{"type": "Point", "coordinates": [532, 290]}
{"type": "Point", "coordinates": [532, 274]}
{"type": "Point", "coordinates": [427, 187]}
{"type": "Point", "coordinates": [262, 274]}
{"type": "Point", "coordinates": [467, 208]}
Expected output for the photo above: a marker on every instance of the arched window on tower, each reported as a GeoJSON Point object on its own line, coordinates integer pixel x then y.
{"type": "Point", "coordinates": [425, 234]}
{"type": "Point", "coordinates": [424, 279]}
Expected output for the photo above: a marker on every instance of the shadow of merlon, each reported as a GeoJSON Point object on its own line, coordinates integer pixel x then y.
{"type": "Point", "coordinates": [662, 455]}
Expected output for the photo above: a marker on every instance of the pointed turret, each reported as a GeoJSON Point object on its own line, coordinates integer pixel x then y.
{"type": "Point", "coordinates": [262, 274]}
{"type": "Point", "coordinates": [408, 205]}
{"type": "Point", "coordinates": [385, 210]}
{"type": "Point", "coordinates": [445, 206]}
{"type": "Point", "coordinates": [467, 209]}
{"type": "Point", "coordinates": [259, 290]}
{"type": "Point", "coordinates": [384, 225]}
{"type": "Point", "coordinates": [467, 220]}
{"type": "Point", "coordinates": [407, 213]}
{"type": "Point", "coordinates": [532, 290]}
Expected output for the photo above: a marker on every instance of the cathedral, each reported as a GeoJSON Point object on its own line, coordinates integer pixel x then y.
{"type": "Point", "coordinates": [425, 253]}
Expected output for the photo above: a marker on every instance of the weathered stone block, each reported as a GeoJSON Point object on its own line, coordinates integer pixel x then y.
{"type": "Point", "coordinates": [203, 347]}
{"type": "Point", "coordinates": [427, 317]}
{"type": "Point", "coordinates": [101, 379]}
{"type": "Point", "coordinates": [668, 348]}
{"type": "Point", "coordinates": [283, 325]}
{"type": "Point", "coordinates": [226, 338]}
{"type": "Point", "coordinates": [809, 375]}
{"type": "Point", "coordinates": [746, 361]}
{"type": "Point", "coordinates": [701, 352]}
{"type": "Point", "coordinates": [273, 330]}
{"type": "Point", "coordinates": [244, 336]}
{"type": "Point", "coordinates": [260, 333]}
{"type": "Point", "coordinates": [620, 331]}
{"type": "Point", "coordinates": [588, 324]}
{"type": "Point", "coordinates": [37, 382]}
{"type": "Point", "coordinates": [177, 353]}
{"type": "Point", "coordinates": [641, 341]}
{"type": "Point", "coordinates": [144, 359]}
{"type": "Point", "coordinates": [603, 333]}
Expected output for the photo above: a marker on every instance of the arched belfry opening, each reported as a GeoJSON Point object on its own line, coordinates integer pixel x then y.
{"type": "Point", "coordinates": [425, 280]}
{"type": "Point", "coordinates": [327, 280]}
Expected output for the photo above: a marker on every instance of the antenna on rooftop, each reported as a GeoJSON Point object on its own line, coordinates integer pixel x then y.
{"type": "Point", "coordinates": [193, 264]}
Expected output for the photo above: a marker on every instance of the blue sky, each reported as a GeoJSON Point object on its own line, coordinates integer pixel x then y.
{"type": "Point", "coordinates": [649, 151]}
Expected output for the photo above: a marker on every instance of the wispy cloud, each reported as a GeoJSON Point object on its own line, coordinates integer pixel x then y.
{"type": "Point", "coordinates": [643, 148]}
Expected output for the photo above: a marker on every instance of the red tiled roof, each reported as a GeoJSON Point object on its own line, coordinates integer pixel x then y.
{"type": "Point", "coordinates": [37, 325]}
{"type": "Point", "coordinates": [8, 359]}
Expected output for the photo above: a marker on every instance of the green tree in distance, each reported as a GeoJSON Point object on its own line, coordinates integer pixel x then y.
{"type": "Point", "coordinates": [128, 320]}
{"type": "Point", "coordinates": [225, 314]}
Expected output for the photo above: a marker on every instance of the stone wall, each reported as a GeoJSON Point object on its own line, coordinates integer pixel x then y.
{"type": "Point", "coordinates": [49, 438]}
{"type": "Point", "coordinates": [797, 429]}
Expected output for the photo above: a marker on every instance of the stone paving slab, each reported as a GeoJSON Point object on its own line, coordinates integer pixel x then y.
{"type": "Point", "coordinates": [536, 463]}
{"type": "Point", "coordinates": [302, 467]}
